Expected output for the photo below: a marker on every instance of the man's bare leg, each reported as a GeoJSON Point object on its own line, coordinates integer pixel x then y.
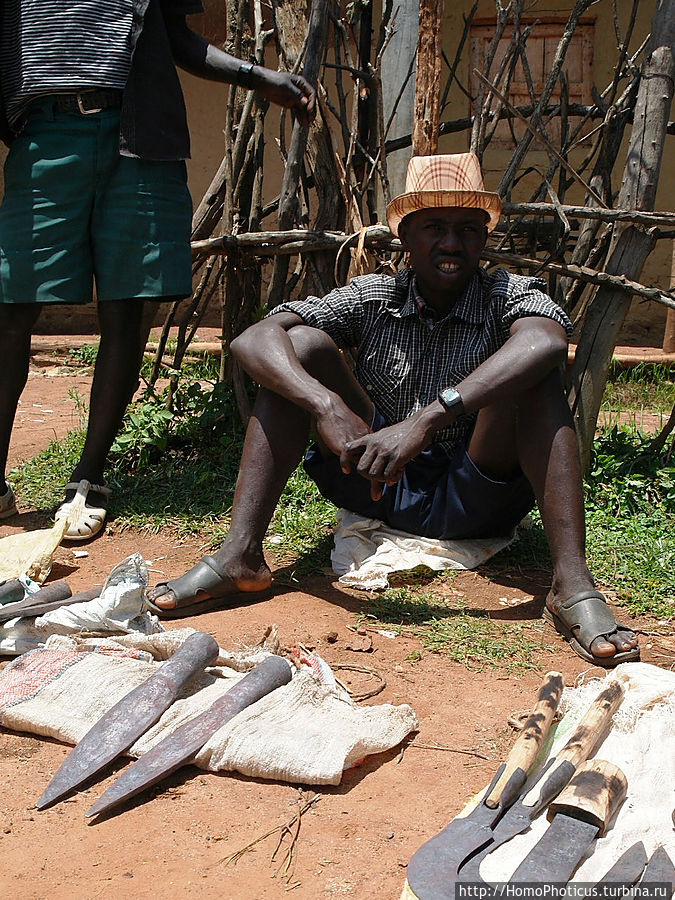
{"type": "Point", "coordinates": [16, 325]}
{"type": "Point", "coordinates": [537, 434]}
{"type": "Point", "coordinates": [124, 331]}
{"type": "Point", "coordinates": [275, 442]}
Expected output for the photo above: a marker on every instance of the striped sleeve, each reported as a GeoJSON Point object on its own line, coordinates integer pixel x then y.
{"type": "Point", "coordinates": [340, 314]}
{"type": "Point", "coordinates": [527, 297]}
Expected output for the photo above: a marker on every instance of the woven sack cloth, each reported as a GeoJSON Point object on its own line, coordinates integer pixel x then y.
{"type": "Point", "coordinates": [304, 732]}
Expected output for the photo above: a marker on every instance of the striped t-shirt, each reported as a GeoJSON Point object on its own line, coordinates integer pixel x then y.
{"type": "Point", "coordinates": [55, 46]}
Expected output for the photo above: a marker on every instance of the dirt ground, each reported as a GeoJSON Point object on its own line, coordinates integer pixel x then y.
{"type": "Point", "coordinates": [358, 837]}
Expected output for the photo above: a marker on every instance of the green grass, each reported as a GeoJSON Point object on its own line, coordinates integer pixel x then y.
{"type": "Point", "coordinates": [466, 636]}
{"type": "Point", "coordinates": [630, 520]}
{"type": "Point", "coordinates": [643, 388]}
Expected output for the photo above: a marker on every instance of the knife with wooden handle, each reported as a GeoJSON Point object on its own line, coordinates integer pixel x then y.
{"type": "Point", "coordinates": [583, 742]}
{"type": "Point", "coordinates": [432, 870]}
{"type": "Point", "coordinates": [582, 812]}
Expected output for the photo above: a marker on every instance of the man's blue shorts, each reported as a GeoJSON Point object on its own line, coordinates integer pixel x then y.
{"type": "Point", "coordinates": [75, 211]}
{"type": "Point", "coordinates": [439, 496]}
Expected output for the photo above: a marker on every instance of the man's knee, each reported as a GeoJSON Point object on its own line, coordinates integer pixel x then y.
{"type": "Point", "coordinates": [313, 347]}
{"type": "Point", "coordinates": [542, 397]}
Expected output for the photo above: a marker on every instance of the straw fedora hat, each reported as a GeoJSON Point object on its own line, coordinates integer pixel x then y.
{"type": "Point", "coordinates": [438, 181]}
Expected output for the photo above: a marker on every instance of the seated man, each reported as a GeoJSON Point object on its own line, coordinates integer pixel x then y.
{"type": "Point", "coordinates": [453, 422]}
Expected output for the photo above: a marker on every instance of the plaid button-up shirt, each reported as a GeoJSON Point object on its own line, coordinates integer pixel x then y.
{"type": "Point", "coordinates": [402, 358]}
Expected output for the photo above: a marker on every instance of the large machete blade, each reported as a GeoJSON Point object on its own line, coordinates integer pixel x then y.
{"type": "Point", "coordinates": [130, 717]}
{"type": "Point", "coordinates": [584, 741]}
{"type": "Point", "coordinates": [432, 870]}
{"type": "Point", "coordinates": [182, 745]}
{"type": "Point", "coordinates": [581, 812]}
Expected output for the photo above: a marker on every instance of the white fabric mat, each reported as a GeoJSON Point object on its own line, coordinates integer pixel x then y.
{"type": "Point", "coordinates": [367, 551]}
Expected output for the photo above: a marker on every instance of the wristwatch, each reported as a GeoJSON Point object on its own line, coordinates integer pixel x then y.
{"type": "Point", "coordinates": [244, 78]}
{"type": "Point", "coordinates": [451, 399]}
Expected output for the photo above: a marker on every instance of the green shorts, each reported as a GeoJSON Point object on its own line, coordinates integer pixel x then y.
{"type": "Point", "coordinates": [75, 211]}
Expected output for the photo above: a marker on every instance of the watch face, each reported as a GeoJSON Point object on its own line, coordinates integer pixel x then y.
{"type": "Point", "coordinates": [449, 396]}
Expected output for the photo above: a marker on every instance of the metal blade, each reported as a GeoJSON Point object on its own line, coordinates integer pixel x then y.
{"type": "Point", "coordinates": [131, 717]}
{"type": "Point", "coordinates": [660, 870]}
{"type": "Point", "coordinates": [11, 592]}
{"type": "Point", "coordinates": [41, 602]}
{"type": "Point", "coordinates": [185, 742]}
{"type": "Point", "coordinates": [519, 817]}
{"type": "Point", "coordinates": [433, 869]}
{"type": "Point", "coordinates": [557, 854]}
{"type": "Point", "coordinates": [625, 871]}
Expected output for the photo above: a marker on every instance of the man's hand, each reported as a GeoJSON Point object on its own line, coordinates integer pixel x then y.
{"type": "Point", "coordinates": [337, 427]}
{"type": "Point", "coordinates": [288, 90]}
{"type": "Point", "coordinates": [382, 456]}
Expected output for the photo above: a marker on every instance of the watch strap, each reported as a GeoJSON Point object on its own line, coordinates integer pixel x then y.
{"type": "Point", "coordinates": [244, 76]}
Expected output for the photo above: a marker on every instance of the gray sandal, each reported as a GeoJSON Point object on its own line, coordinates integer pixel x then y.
{"type": "Point", "coordinates": [583, 618]}
{"type": "Point", "coordinates": [205, 579]}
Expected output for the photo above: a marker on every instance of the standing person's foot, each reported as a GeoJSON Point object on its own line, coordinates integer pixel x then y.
{"type": "Point", "coordinates": [86, 508]}
{"type": "Point", "coordinates": [7, 502]}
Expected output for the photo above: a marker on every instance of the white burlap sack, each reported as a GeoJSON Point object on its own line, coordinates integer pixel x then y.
{"type": "Point", "coordinates": [367, 551]}
{"type": "Point", "coordinates": [641, 742]}
{"type": "Point", "coordinates": [302, 733]}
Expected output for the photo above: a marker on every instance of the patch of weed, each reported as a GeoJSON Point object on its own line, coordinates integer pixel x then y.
{"type": "Point", "coordinates": [303, 524]}
{"type": "Point", "coordinates": [85, 355]}
{"type": "Point", "coordinates": [642, 388]}
{"type": "Point", "coordinates": [466, 636]}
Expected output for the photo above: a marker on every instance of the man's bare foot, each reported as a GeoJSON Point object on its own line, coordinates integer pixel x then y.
{"type": "Point", "coordinates": [584, 619]}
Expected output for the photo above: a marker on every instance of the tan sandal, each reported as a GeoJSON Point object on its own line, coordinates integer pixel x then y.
{"type": "Point", "coordinates": [84, 522]}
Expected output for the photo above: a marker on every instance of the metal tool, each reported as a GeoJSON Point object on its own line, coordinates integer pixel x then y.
{"type": "Point", "coordinates": [52, 596]}
{"type": "Point", "coordinates": [584, 742]}
{"type": "Point", "coordinates": [432, 870]}
{"type": "Point", "coordinates": [185, 742]}
{"type": "Point", "coordinates": [581, 812]}
{"type": "Point", "coordinates": [11, 591]}
{"type": "Point", "coordinates": [130, 717]}
{"type": "Point", "coordinates": [660, 870]}
{"type": "Point", "coordinates": [625, 872]}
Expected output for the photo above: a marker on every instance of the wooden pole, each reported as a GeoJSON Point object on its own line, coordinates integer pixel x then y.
{"type": "Point", "coordinates": [288, 202]}
{"type": "Point", "coordinates": [630, 245]}
{"type": "Point", "coordinates": [669, 336]}
{"type": "Point", "coordinates": [428, 79]}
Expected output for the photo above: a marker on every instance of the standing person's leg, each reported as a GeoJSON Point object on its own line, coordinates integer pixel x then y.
{"type": "Point", "coordinates": [115, 380]}
{"type": "Point", "coordinates": [536, 434]}
{"type": "Point", "coordinates": [16, 324]}
{"type": "Point", "coordinates": [275, 442]}
{"type": "Point", "coordinates": [140, 238]}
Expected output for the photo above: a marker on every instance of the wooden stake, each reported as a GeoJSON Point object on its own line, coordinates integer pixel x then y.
{"type": "Point", "coordinates": [428, 79]}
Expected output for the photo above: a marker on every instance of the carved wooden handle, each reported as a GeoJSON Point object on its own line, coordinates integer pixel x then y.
{"type": "Point", "coordinates": [529, 741]}
{"type": "Point", "coordinates": [593, 795]}
{"type": "Point", "coordinates": [584, 741]}
{"type": "Point", "coordinates": [594, 727]}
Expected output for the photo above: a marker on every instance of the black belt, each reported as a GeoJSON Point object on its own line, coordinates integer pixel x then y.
{"type": "Point", "coordinates": [87, 102]}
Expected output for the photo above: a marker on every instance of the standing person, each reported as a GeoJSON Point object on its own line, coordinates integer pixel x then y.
{"type": "Point", "coordinates": [453, 422]}
{"type": "Point", "coordinates": [96, 192]}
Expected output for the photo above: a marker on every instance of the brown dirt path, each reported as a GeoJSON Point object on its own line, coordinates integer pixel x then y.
{"type": "Point", "coordinates": [358, 837]}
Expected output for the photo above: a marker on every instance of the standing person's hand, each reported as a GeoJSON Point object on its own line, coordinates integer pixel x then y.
{"type": "Point", "coordinates": [285, 89]}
